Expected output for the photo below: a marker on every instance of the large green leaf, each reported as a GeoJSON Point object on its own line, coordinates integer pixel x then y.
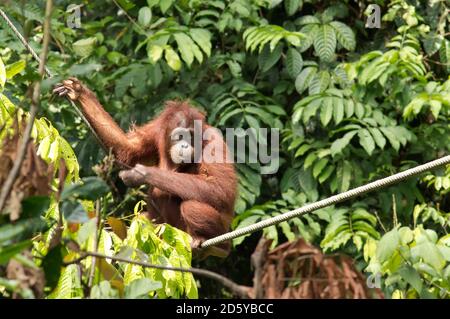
{"type": "Point", "coordinates": [338, 145]}
{"type": "Point", "coordinates": [344, 35]}
{"type": "Point", "coordinates": [268, 58]}
{"type": "Point", "coordinates": [145, 16]}
{"type": "Point", "coordinates": [84, 47]}
{"type": "Point", "coordinates": [90, 188]}
{"type": "Point", "coordinates": [325, 42]}
{"type": "Point", "coordinates": [411, 276]}
{"type": "Point", "coordinates": [186, 47]}
{"type": "Point", "coordinates": [140, 288]}
{"type": "Point", "coordinates": [387, 245]}
{"type": "Point", "coordinates": [2, 74]}
{"type": "Point", "coordinates": [292, 6]}
{"type": "Point", "coordinates": [172, 58]}
{"type": "Point", "coordinates": [294, 62]}
{"type": "Point", "coordinates": [304, 79]}
{"type": "Point", "coordinates": [366, 140]}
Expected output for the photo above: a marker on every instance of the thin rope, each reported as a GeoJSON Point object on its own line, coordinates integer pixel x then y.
{"type": "Point", "coordinates": [47, 71]}
{"type": "Point", "coordinates": [381, 183]}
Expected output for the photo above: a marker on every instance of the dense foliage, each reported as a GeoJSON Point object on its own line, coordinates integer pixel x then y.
{"type": "Point", "coordinates": [352, 103]}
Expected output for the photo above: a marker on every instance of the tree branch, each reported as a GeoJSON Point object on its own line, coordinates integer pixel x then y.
{"type": "Point", "coordinates": [238, 290]}
{"type": "Point", "coordinates": [7, 186]}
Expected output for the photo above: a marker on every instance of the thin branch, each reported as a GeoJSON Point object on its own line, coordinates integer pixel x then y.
{"type": "Point", "coordinates": [379, 220]}
{"type": "Point", "coordinates": [394, 210]}
{"type": "Point", "coordinates": [96, 238]}
{"type": "Point", "coordinates": [239, 290]}
{"type": "Point", "coordinates": [129, 17]}
{"type": "Point", "coordinates": [436, 62]}
{"type": "Point", "coordinates": [7, 186]}
{"type": "Point", "coordinates": [258, 258]}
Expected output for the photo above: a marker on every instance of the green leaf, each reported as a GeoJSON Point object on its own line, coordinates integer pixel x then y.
{"type": "Point", "coordinates": [311, 110]}
{"type": "Point", "coordinates": [203, 38]}
{"type": "Point", "coordinates": [172, 58]}
{"type": "Point", "coordinates": [432, 42]}
{"type": "Point", "coordinates": [435, 108]}
{"type": "Point", "coordinates": [308, 19]}
{"type": "Point", "coordinates": [319, 166]}
{"type": "Point", "coordinates": [291, 6]}
{"type": "Point", "coordinates": [185, 46]}
{"type": "Point", "coordinates": [338, 110]}
{"type": "Point", "coordinates": [52, 264]}
{"type": "Point", "coordinates": [310, 31]}
{"type": "Point", "coordinates": [344, 35]}
{"type": "Point", "coordinates": [286, 229]}
{"type": "Point", "coordinates": [349, 107]}
{"type": "Point", "coordinates": [2, 74]}
{"type": "Point", "coordinates": [326, 111]}
{"type": "Point", "coordinates": [430, 254]}
{"type": "Point", "coordinates": [304, 79]}
{"type": "Point", "coordinates": [35, 206]}
{"type": "Point", "coordinates": [325, 43]}
{"type": "Point", "coordinates": [145, 16]}
{"type": "Point", "coordinates": [387, 245]}
{"type": "Point", "coordinates": [268, 58]}
{"type": "Point", "coordinates": [90, 188]}
{"type": "Point", "coordinates": [74, 212]}
{"type": "Point", "coordinates": [165, 5]}
{"type": "Point", "coordinates": [378, 137]}
{"type": "Point", "coordinates": [68, 285]}
{"type": "Point", "coordinates": [391, 136]}
{"type": "Point", "coordinates": [412, 277]}
{"type": "Point", "coordinates": [359, 110]}
{"type": "Point", "coordinates": [126, 4]}
{"type": "Point", "coordinates": [86, 231]}
{"type": "Point", "coordinates": [338, 145]}
{"type": "Point", "coordinates": [82, 69]}
{"type": "Point", "coordinates": [319, 82]}
{"type": "Point", "coordinates": [140, 288]}
{"type": "Point", "coordinates": [294, 62]}
{"type": "Point", "coordinates": [14, 69]}
{"type": "Point", "coordinates": [344, 176]}
{"type": "Point", "coordinates": [6, 253]}
{"type": "Point", "coordinates": [366, 140]}
{"type": "Point", "coordinates": [444, 54]}
{"type": "Point", "coordinates": [154, 52]}
{"type": "Point", "coordinates": [22, 229]}
{"type": "Point", "coordinates": [308, 184]}
{"type": "Point", "coordinates": [84, 47]}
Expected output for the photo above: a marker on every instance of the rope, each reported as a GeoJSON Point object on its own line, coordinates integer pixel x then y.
{"type": "Point", "coordinates": [381, 183]}
{"type": "Point", "coordinates": [47, 71]}
{"type": "Point", "coordinates": [378, 184]}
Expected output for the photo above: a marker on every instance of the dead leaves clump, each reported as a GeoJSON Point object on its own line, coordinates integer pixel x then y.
{"type": "Point", "coordinates": [300, 270]}
{"type": "Point", "coordinates": [32, 278]}
{"type": "Point", "coordinates": [34, 177]}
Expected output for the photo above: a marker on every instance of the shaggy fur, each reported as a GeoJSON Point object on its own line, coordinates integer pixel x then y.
{"type": "Point", "coordinates": [199, 197]}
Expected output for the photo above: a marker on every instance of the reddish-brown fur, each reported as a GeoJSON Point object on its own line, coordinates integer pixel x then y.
{"type": "Point", "coordinates": [198, 198]}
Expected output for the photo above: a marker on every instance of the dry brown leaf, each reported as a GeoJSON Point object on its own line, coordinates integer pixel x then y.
{"type": "Point", "coordinates": [28, 278]}
{"type": "Point", "coordinates": [34, 176]}
{"type": "Point", "coordinates": [118, 227]}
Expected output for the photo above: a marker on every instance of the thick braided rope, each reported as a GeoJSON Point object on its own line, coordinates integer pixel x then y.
{"type": "Point", "coordinates": [47, 71]}
{"type": "Point", "coordinates": [381, 183]}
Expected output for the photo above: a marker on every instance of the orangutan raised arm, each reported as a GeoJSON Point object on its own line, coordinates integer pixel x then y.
{"type": "Point", "coordinates": [128, 147]}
